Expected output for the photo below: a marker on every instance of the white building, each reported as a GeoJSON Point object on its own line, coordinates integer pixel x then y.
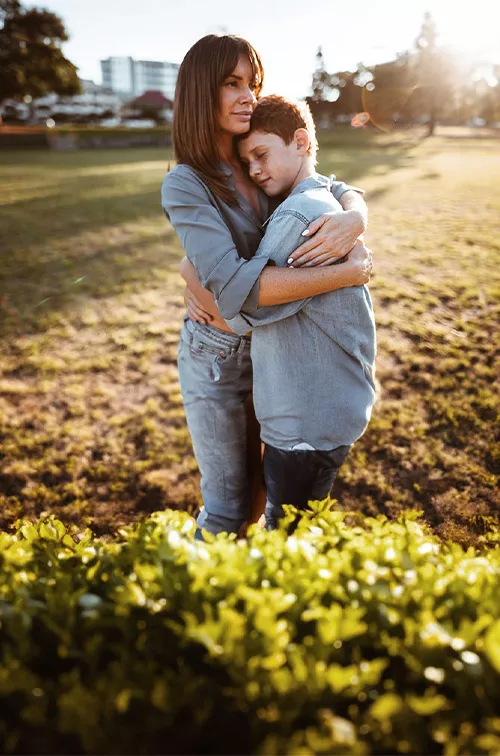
{"type": "Point", "coordinates": [127, 76]}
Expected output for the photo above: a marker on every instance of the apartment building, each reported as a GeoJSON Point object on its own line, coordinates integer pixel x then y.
{"type": "Point", "coordinates": [127, 76]}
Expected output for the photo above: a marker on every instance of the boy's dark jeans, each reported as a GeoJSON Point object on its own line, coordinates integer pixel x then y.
{"type": "Point", "coordinates": [296, 477]}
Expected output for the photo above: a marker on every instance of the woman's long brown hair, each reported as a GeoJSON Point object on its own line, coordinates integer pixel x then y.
{"type": "Point", "coordinates": [195, 128]}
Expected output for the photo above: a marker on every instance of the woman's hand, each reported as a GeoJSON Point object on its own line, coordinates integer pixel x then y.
{"type": "Point", "coordinates": [335, 234]}
{"type": "Point", "coordinates": [359, 263]}
{"type": "Point", "coordinates": [195, 309]}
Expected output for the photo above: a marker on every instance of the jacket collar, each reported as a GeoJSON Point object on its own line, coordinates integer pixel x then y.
{"type": "Point", "coordinates": [311, 182]}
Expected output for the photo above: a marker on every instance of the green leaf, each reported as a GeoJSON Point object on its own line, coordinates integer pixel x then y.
{"type": "Point", "coordinates": [48, 531]}
{"type": "Point", "coordinates": [428, 705]}
{"type": "Point", "coordinates": [386, 706]}
{"type": "Point", "coordinates": [492, 645]}
{"type": "Point", "coordinates": [29, 531]}
{"type": "Point", "coordinates": [122, 700]}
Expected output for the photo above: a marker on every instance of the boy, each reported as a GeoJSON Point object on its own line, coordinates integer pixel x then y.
{"type": "Point", "coordinates": [313, 359]}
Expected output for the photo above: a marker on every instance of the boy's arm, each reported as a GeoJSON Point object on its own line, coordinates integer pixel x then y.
{"type": "Point", "coordinates": [283, 236]}
{"type": "Point", "coordinates": [353, 203]}
{"type": "Point", "coordinates": [332, 235]}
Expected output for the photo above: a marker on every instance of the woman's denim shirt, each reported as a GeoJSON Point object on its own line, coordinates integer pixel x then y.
{"type": "Point", "coordinates": [220, 240]}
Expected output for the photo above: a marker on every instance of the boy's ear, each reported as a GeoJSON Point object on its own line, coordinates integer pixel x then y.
{"type": "Point", "coordinates": [302, 140]}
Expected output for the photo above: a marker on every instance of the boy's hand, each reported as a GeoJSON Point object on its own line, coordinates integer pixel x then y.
{"type": "Point", "coordinates": [333, 235]}
{"type": "Point", "coordinates": [360, 262]}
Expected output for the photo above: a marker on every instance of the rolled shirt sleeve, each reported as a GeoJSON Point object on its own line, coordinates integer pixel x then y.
{"type": "Point", "coordinates": [338, 188]}
{"type": "Point", "coordinates": [208, 243]}
{"type": "Point", "coordinates": [282, 237]}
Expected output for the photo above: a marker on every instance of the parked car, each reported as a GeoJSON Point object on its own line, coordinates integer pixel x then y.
{"type": "Point", "coordinates": [139, 123]}
{"type": "Point", "coordinates": [110, 123]}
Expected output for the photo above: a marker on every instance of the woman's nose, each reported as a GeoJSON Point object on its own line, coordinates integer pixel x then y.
{"type": "Point", "coordinates": [249, 96]}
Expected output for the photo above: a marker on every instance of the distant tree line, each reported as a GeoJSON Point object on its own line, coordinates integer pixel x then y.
{"type": "Point", "coordinates": [427, 84]}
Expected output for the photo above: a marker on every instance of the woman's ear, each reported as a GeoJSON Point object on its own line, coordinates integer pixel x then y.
{"type": "Point", "coordinates": [302, 140]}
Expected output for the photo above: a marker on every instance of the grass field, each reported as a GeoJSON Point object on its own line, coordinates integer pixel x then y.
{"type": "Point", "coordinates": [91, 419]}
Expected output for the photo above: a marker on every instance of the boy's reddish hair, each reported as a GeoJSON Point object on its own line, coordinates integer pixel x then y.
{"type": "Point", "coordinates": [277, 115]}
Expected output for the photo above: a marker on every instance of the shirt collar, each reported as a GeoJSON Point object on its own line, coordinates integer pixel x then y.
{"type": "Point", "coordinates": [311, 182]}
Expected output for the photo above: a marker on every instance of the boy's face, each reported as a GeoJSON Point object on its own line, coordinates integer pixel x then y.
{"type": "Point", "coordinates": [272, 164]}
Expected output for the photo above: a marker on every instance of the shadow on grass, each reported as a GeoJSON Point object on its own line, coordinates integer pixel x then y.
{"type": "Point", "coordinates": [51, 286]}
{"type": "Point", "coordinates": [40, 220]}
{"type": "Point", "coordinates": [350, 166]}
{"type": "Point", "coordinates": [85, 232]}
{"type": "Point", "coordinates": [54, 160]}
{"type": "Point", "coordinates": [93, 236]}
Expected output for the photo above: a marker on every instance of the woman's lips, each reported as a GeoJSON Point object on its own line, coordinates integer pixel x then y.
{"type": "Point", "coordinates": [243, 116]}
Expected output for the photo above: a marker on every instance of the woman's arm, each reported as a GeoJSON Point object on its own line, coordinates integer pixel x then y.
{"type": "Point", "coordinates": [333, 234]}
{"type": "Point", "coordinates": [282, 285]}
{"type": "Point", "coordinates": [208, 243]}
{"type": "Point", "coordinates": [234, 281]}
{"type": "Point", "coordinates": [279, 286]}
{"type": "Point", "coordinates": [279, 298]}
{"type": "Point", "coordinates": [200, 303]}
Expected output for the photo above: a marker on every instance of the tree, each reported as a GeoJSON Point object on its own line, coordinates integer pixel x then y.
{"type": "Point", "coordinates": [323, 87]}
{"type": "Point", "coordinates": [435, 74]}
{"type": "Point", "coordinates": [31, 61]}
{"type": "Point", "coordinates": [335, 94]}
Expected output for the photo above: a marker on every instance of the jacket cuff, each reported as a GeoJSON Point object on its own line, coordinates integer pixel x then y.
{"type": "Point", "coordinates": [243, 284]}
{"type": "Point", "coordinates": [338, 188]}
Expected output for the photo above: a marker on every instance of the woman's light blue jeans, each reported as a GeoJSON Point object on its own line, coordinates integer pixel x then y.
{"type": "Point", "coordinates": [215, 376]}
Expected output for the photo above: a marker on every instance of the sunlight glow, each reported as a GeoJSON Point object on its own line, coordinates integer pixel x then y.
{"type": "Point", "coordinates": [473, 29]}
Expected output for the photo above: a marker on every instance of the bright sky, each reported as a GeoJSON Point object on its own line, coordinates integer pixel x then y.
{"type": "Point", "coordinates": [286, 33]}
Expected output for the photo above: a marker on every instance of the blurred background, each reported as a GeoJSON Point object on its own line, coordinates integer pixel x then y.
{"type": "Point", "coordinates": [406, 98]}
{"type": "Point", "coordinates": [116, 63]}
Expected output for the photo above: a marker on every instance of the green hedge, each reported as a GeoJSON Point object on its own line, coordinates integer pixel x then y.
{"type": "Point", "coordinates": [73, 137]}
{"type": "Point", "coordinates": [109, 133]}
{"type": "Point", "coordinates": [85, 137]}
{"type": "Point", "coordinates": [350, 636]}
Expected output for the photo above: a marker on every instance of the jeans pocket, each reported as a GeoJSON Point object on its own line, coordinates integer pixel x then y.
{"type": "Point", "coordinates": [209, 357]}
{"type": "Point", "coordinates": [201, 345]}
{"type": "Point", "coordinates": [213, 353]}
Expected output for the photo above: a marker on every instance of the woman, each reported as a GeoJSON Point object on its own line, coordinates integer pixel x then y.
{"type": "Point", "coordinates": [219, 216]}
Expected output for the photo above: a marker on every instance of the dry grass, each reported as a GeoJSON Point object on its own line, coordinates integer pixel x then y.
{"type": "Point", "coordinates": [91, 419]}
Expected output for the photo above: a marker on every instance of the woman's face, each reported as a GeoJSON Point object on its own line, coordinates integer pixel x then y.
{"type": "Point", "coordinates": [237, 99]}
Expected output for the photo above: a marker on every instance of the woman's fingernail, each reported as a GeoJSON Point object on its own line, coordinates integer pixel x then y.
{"type": "Point", "coordinates": [290, 260]}
{"type": "Point", "coordinates": [306, 232]}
